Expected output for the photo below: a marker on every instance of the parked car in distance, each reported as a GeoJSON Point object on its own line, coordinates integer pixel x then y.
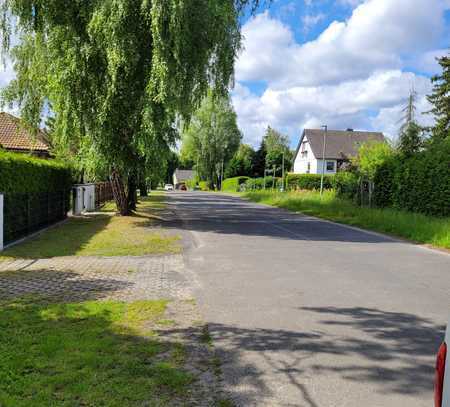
{"type": "Point", "coordinates": [442, 375]}
{"type": "Point", "coordinates": [168, 187]}
{"type": "Point", "coordinates": [183, 187]}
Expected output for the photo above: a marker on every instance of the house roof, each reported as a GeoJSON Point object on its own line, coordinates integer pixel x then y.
{"type": "Point", "coordinates": [339, 144]}
{"type": "Point", "coordinates": [184, 174]}
{"type": "Point", "coordinates": [13, 136]}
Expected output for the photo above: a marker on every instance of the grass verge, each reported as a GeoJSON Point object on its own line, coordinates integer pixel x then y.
{"type": "Point", "coordinates": [413, 226]}
{"type": "Point", "coordinates": [101, 235]}
{"type": "Point", "coordinates": [95, 353]}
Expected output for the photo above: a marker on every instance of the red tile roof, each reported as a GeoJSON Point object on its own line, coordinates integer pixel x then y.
{"type": "Point", "coordinates": [13, 136]}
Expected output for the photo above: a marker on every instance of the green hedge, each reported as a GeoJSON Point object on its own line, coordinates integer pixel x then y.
{"type": "Point", "coordinates": [308, 181]}
{"type": "Point", "coordinates": [420, 183]}
{"type": "Point", "coordinates": [253, 184]}
{"type": "Point", "coordinates": [21, 173]}
{"type": "Point", "coordinates": [346, 185]}
{"type": "Point", "coordinates": [233, 184]}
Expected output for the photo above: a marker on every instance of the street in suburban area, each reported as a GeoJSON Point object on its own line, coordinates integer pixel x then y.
{"type": "Point", "coordinates": [305, 312]}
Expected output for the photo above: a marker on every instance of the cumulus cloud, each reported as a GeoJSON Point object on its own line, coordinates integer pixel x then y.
{"type": "Point", "coordinates": [376, 36]}
{"type": "Point", "coordinates": [354, 74]}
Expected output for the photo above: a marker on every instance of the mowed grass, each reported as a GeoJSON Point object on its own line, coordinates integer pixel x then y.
{"type": "Point", "coordinates": [95, 353]}
{"type": "Point", "coordinates": [413, 226]}
{"type": "Point", "coordinates": [104, 234]}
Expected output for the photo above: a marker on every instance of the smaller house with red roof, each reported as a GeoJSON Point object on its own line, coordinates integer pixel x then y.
{"type": "Point", "coordinates": [16, 138]}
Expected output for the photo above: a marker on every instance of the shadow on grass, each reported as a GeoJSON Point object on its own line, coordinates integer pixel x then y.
{"type": "Point", "coordinates": [86, 354]}
{"type": "Point", "coordinates": [390, 353]}
{"type": "Point", "coordinates": [63, 240]}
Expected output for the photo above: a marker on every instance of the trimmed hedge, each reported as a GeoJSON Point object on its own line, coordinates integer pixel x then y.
{"type": "Point", "coordinates": [308, 181]}
{"type": "Point", "coordinates": [203, 185]}
{"type": "Point", "coordinates": [420, 183]}
{"type": "Point", "coordinates": [21, 173]}
{"type": "Point", "coordinates": [233, 184]}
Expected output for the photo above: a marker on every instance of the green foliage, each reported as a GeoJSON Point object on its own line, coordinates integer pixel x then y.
{"type": "Point", "coordinates": [308, 181]}
{"type": "Point", "coordinates": [259, 183]}
{"type": "Point", "coordinates": [346, 184]}
{"type": "Point", "coordinates": [419, 183]}
{"type": "Point", "coordinates": [241, 163]}
{"type": "Point", "coordinates": [212, 137]}
{"type": "Point", "coordinates": [371, 155]}
{"type": "Point", "coordinates": [117, 74]}
{"type": "Point", "coordinates": [417, 227]}
{"type": "Point", "coordinates": [20, 173]}
{"type": "Point", "coordinates": [277, 145]}
{"type": "Point", "coordinates": [410, 139]}
{"type": "Point", "coordinates": [204, 185]}
{"type": "Point", "coordinates": [259, 161]}
{"type": "Point", "coordinates": [233, 184]}
{"type": "Point", "coordinates": [440, 99]}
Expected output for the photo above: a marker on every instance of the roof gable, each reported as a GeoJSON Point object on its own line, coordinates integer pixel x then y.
{"type": "Point", "coordinates": [339, 144]}
{"type": "Point", "coordinates": [13, 136]}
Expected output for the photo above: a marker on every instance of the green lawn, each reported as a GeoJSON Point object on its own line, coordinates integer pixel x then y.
{"type": "Point", "coordinates": [87, 354]}
{"type": "Point", "coordinates": [102, 235]}
{"type": "Point", "coordinates": [413, 226]}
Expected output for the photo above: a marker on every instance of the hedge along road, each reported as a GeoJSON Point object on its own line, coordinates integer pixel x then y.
{"type": "Point", "coordinates": [305, 312]}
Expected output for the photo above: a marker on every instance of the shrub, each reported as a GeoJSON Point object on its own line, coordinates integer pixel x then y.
{"type": "Point", "coordinates": [258, 183]}
{"type": "Point", "coordinates": [233, 184]}
{"type": "Point", "coordinates": [346, 184]}
{"type": "Point", "coordinates": [308, 181]}
{"type": "Point", "coordinates": [419, 183]}
{"type": "Point", "coordinates": [203, 185]}
{"type": "Point", "coordinates": [21, 173]}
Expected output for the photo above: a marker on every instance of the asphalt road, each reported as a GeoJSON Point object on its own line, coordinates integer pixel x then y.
{"type": "Point", "coordinates": [305, 312]}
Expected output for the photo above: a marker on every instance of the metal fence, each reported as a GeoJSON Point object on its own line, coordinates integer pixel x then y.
{"type": "Point", "coordinates": [103, 193]}
{"type": "Point", "coordinates": [28, 213]}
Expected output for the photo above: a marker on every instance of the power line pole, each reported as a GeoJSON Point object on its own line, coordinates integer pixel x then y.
{"type": "Point", "coordinates": [325, 127]}
{"type": "Point", "coordinates": [282, 173]}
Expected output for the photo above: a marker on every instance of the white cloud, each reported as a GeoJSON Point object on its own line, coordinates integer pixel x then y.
{"type": "Point", "coordinates": [348, 104]}
{"type": "Point", "coordinates": [354, 74]}
{"type": "Point", "coordinates": [376, 36]}
{"type": "Point", "coordinates": [310, 20]}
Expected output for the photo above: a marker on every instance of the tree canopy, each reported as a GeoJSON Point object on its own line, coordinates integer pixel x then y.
{"type": "Point", "coordinates": [440, 99]}
{"type": "Point", "coordinates": [212, 138]}
{"type": "Point", "coordinates": [116, 74]}
{"type": "Point", "coordinates": [277, 146]}
{"type": "Point", "coordinates": [241, 163]}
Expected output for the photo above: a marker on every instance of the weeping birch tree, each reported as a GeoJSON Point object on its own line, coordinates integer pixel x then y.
{"type": "Point", "coordinates": [116, 74]}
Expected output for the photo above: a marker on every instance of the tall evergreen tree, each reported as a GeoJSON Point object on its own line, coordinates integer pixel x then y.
{"type": "Point", "coordinates": [410, 138]}
{"type": "Point", "coordinates": [440, 99]}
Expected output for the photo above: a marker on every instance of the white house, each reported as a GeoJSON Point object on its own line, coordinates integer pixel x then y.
{"type": "Point", "coordinates": [182, 176]}
{"type": "Point", "coordinates": [340, 146]}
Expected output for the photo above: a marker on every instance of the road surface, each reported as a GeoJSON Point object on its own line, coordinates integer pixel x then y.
{"type": "Point", "coordinates": [305, 312]}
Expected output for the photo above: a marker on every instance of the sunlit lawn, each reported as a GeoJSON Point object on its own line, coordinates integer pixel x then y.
{"type": "Point", "coordinates": [92, 353]}
{"type": "Point", "coordinates": [102, 235]}
{"type": "Point", "coordinates": [414, 226]}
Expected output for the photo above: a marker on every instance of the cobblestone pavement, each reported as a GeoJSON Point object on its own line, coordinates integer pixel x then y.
{"type": "Point", "coordinates": [83, 278]}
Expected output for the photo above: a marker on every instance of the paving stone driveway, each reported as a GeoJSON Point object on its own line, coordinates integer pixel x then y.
{"type": "Point", "coordinates": [83, 278]}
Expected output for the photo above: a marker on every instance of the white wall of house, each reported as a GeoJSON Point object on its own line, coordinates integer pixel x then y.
{"type": "Point", "coordinates": [330, 166]}
{"type": "Point", "coordinates": [307, 163]}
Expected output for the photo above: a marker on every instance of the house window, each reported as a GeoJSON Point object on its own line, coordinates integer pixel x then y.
{"type": "Point", "coordinates": [330, 166]}
{"type": "Point", "coordinates": [308, 170]}
{"type": "Point", "coordinates": [305, 154]}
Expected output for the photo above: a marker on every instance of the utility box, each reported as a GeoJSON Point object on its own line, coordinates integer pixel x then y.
{"type": "Point", "coordinates": [83, 198]}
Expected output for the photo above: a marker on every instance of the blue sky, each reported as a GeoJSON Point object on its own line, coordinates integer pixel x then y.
{"type": "Point", "coordinates": [345, 63]}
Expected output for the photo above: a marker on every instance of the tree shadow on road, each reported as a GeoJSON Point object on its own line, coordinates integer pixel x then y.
{"type": "Point", "coordinates": [391, 352]}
